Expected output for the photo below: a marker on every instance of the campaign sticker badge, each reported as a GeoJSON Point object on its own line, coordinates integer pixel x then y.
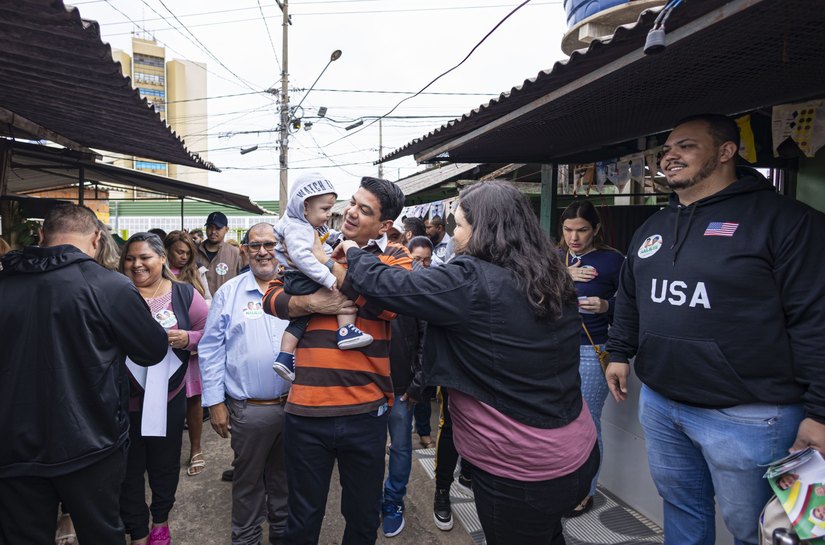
{"type": "Point", "coordinates": [166, 318]}
{"type": "Point", "coordinates": [650, 246]}
{"type": "Point", "coordinates": [221, 268]}
{"type": "Point", "coordinates": [253, 310]}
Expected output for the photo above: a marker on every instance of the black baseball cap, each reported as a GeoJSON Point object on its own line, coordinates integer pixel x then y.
{"type": "Point", "coordinates": [218, 219]}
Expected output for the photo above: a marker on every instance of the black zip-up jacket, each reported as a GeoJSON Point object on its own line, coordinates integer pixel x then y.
{"type": "Point", "coordinates": [68, 325]}
{"type": "Point", "coordinates": [406, 347]}
{"type": "Point", "coordinates": [722, 302]}
{"type": "Point", "coordinates": [482, 336]}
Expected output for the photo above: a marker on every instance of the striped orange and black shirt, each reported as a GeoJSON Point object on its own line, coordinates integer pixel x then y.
{"type": "Point", "coordinates": [334, 382]}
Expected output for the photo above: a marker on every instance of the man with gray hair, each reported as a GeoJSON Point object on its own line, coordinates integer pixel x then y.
{"type": "Point", "coordinates": [70, 324]}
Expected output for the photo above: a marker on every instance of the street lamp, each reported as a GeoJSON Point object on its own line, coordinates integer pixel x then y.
{"type": "Point", "coordinates": [332, 58]}
{"type": "Point", "coordinates": [286, 122]}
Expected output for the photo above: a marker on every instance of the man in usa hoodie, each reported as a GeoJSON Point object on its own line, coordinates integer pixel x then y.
{"type": "Point", "coordinates": [721, 301]}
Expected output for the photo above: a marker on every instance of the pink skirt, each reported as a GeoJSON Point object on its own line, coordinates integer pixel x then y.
{"type": "Point", "coordinates": [194, 386]}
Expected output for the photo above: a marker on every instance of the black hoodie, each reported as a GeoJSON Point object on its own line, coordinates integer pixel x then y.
{"type": "Point", "coordinates": [67, 326]}
{"type": "Point", "coordinates": [722, 301]}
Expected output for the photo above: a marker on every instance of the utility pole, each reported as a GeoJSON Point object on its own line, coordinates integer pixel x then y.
{"type": "Point", "coordinates": [380, 149]}
{"type": "Point", "coordinates": [283, 191]}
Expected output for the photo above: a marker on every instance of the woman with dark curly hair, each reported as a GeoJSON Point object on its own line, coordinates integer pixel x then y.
{"type": "Point", "coordinates": [503, 337]}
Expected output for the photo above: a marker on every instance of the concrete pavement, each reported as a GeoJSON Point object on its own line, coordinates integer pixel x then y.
{"type": "Point", "coordinates": [201, 515]}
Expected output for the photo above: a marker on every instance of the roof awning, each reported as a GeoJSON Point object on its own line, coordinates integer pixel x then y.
{"type": "Point", "coordinates": [724, 57]}
{"type": "Point", "coordinates": [34, 168]}
{"type": "Point", "coordinates": [58, 82]}
{"type": "Point", "coordinates": [421, 181]}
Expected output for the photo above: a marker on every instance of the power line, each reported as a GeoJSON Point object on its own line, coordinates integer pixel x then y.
{"type": "Point", "coordinates": [269, 35]}
{"type": "Point", "coordinates": [360, 12]}
{"type": "Point", "coordinates": [217, 96]}
{"type": "Point", "coordinates": [199, 44]}
{"type": "Point", "coordinates": [399, 92]}
{"type": "Point", "coordinates": [438, 77]}
{"type": "Point", "coordinates": [167, 46]}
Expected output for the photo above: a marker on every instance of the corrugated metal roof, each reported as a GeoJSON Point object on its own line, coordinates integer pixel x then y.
{"type": "Point", "coordinates": [57, 73]}
{"type": "Point", "coordinates": [434, 176]}
{"type": "Point", "coordinates": [35, 168]}
{"type": "Point", "coordinates": [724, 57]}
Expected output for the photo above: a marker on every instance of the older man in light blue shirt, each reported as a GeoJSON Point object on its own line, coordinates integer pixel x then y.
{"type": "Point", "coordinates": [243, 393]}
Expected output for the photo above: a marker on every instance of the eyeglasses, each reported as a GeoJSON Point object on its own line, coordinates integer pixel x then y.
{"type": "Point", "coordinates": [256, 246]}
{"type": "Point", "coordinates": [423, 260]}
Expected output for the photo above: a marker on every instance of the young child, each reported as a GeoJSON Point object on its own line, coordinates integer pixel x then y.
{"type": "Point", "coordinates": [309, 208]}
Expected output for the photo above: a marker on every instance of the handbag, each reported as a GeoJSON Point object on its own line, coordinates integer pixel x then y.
{"type": "Point", "coordinates": [603, 355]}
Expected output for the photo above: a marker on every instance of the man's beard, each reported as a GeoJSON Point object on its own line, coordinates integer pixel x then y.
{"type": "Point", "coordinates": [704, 172]}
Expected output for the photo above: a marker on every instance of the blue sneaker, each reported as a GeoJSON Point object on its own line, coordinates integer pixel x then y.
{"type": "Point", "coordinates": [393, 518]}
{"type": "Point", "coordinates": [350, 336]}
{"type": "Point", "coordinates": [285, 366]}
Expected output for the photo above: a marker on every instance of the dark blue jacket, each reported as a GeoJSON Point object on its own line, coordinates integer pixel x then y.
{"type": "Point", "coordinates": [722, 302]}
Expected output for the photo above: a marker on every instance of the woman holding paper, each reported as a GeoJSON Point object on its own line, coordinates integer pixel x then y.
{"type": "Point", "coordinates": [157, 399]}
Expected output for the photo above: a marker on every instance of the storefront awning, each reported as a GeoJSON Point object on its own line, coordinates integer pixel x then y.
{"type": "Point", "coordinates": [722, 56]}
{"type": "Point", "coordinates": [33, 168]}
{"type": "Point", "coordinates": [58, 82]}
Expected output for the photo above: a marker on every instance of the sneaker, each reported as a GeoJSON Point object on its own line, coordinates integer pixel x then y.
{"type": "Point", "coordinates": [350, 336]}
{"type": "Point", "coordinates": [465, 485]}
{"type": "Point", "coordinates": [285, 366]}
{"type": "Point", "coordinates": [160, 536]}
{"type": "Point", "coordinates": [442, 513]}
{"type": "Point", "coordinates": [393, 518]}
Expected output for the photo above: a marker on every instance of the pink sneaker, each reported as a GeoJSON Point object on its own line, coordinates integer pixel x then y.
{"type": "Point", "coordinates": [160, 536]}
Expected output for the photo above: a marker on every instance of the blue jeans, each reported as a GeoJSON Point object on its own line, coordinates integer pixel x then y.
{"type": "Point", "coordinates": [594, 391]}
{"type": "Point", "coordinates": [695, 453]}
{"type": "Point", "coordinates": [400, 465]}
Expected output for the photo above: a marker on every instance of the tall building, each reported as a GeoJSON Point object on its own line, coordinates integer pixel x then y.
{"type": "Point", "coordinates": [170, 86]}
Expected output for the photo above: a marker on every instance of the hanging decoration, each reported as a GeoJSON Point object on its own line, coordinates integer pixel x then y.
{"type": "Point", "coordinates": [803, 123]}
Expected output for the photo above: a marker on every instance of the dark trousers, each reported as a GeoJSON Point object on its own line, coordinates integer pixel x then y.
{"type": "Point", "coordinates": [159, 457]}
{"type": "Point", "coordinates": [297, 283]}
{"type": "Point", "coordinates": [28, 505]}
{"type": "Point", "coordinates": [446, 456]}
{"type": "Point", "coordinates": [422, 412]}
{"type": "Point", "coordinates": [529, 512]}
{"type": "Point", "coordinates": [312, 446]}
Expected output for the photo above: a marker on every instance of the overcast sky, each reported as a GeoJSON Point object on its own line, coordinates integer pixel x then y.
{"type": "Point", "coordinates": [387, 45]}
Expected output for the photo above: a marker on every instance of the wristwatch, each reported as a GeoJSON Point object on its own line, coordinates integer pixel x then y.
{"type": "Point", "coordinates": [330, 264]}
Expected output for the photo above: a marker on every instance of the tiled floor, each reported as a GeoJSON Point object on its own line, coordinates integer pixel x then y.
{"type": "Point", "coordinates": [609, 522]}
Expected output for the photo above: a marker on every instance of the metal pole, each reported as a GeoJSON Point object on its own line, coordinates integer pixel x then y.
{"type": "Point", "coordinates": [549, 198]}
{"type": "Point", "coordinates": [380, 149]}
{"type": "Point", "coordinates": [283, 188]}
{"type": "Point", "coordinates": [181, 213]}
{"type": "Point", "coordinates": [81, 178]}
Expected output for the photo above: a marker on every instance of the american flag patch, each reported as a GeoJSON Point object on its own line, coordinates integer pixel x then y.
{"type": "Point", "coordinates": [721, 229]}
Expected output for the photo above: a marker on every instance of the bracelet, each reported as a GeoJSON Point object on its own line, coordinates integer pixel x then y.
{"type": "Point", "coordinates": [330, 264]}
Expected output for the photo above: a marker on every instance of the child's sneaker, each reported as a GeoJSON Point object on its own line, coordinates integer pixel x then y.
{"type": "Point", "coordinates": [285, 366]}
{"type": "Point", "coordinates": [350, 336]}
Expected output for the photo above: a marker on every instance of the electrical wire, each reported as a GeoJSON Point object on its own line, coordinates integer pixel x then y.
{"type": "Point", "coordinates": [396, 92]}
{"type": "Point", "coordinates": [501, 22]}
{"type": "Point", "coordinates": [362, 12]}
{"type": "Point", "coordinates": [269, 36]}
{"type": "Point", "coordinates": [167, 46]}
{"type": "Point", "coordinates": [199, 44]}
